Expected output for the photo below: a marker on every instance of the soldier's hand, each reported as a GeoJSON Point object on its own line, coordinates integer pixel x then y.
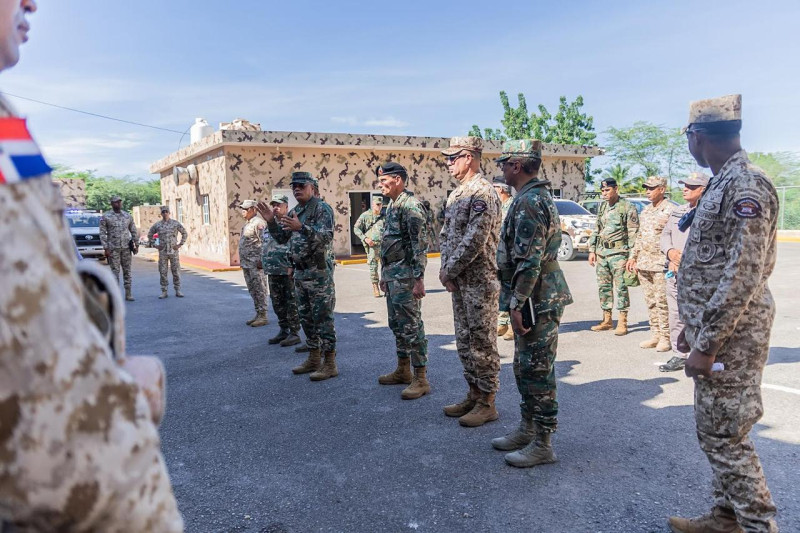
{"type": "Point", "coordinates": [698, 365]}
{"type": "Point", "coordinates": [592, 258]}
{"type": "Point", "coordinates": [265, 210]}
{"type": "Point", "coordinates": [291, 222]}
{"type": "Point", "coordinates": [384, 286]}
{"type": "Point", "coordinates": [176, 246]}
{"type": "Point", "coordinates": [630, 265]}
{"type": "Point", "coordinates": [419, 289]}
{"type": "Point", "coordinates": [369, 241]}
{"type": "Point", "coordinates": [516, 323]}
{"type": "Point", "coordinates": [107, 252]}
{"type": "Point", "coordinates": [673, 266]}
{"type": "Point", "coordinates": [681, 344]}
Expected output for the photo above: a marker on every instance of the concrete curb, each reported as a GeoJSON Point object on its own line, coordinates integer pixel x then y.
{"type": "Point", "coordinates": [364, 261]}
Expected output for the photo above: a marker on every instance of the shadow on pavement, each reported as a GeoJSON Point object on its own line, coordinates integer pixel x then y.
{"type": "Point", "coordinates": [783, 355]}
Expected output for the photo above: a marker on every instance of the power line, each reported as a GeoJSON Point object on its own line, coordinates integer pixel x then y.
{"type": "Point", "coordinates": [95, 114]}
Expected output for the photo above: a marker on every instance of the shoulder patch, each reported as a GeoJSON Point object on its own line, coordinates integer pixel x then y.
{"type": "Point", "coordinates": [479, 206]}
{"type": "Point", "coordinates": [747, 208]}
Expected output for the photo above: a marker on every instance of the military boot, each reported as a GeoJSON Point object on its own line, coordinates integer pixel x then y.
{"type": "Point", "coordinates": [178, 293]}
{"type": "Point", "coordinates": [652, 342]}
{"type": "Point", "coordinates": [376, 290]}
{"type": "Point", "coordinates": [501, 330]}
{"type": "Point", "coordinates": [605, 324]}
{"type": "Point", "coordinates": [518, 438]}
{"type": "Point", "coordinates": [282, 334]}
{"type": "Point", "coordinates": [400, 376]}
{"type": "Point", "coordinates": [509, 336]}
{"type": "Point", "coordinates": [261, 320]}
{"type": "Point", "coordinates": [419, 385]}
{"type": "Point", "coordinates": [719, 520]}
{"type": "Point", "coordinates": [311, 364]}
{"type": "Point", "coordinates": [484, 411]}
{"type": "Point", "coordinates": [163, 294]}
{"type": "Point", "coordinates": [291, 340]}
{"type": "Point", "coordinates": [303, 348]}
{"type": "Point", "coordinates": [622, 324]}
{"type": "Point", "coordinates": [252, 320]}
{"type": "Point", "coordinates": [328, 369]}
{"type": "Point", "coordinates": [465, 405]}
{"type": "Point", "coordinates": [538, 452]}
{"type": "Point", "coordinates": [664, 345]}
{"type": "Point", "coordinates": [128, 296]}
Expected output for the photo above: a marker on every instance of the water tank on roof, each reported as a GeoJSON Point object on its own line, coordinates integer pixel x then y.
{"type": "Point", "coordinates": [200, 129]}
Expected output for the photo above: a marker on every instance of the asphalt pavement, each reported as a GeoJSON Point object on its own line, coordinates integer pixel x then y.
{"type": "Point", "coordinates": [251, 447]}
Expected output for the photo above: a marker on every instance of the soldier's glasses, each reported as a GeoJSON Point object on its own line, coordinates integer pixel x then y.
{"type": "Point", "coordinates": [453, 158]}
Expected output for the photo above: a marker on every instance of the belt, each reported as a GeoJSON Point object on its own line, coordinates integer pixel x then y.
{"type": "Point", "coordinates": [610, 245]}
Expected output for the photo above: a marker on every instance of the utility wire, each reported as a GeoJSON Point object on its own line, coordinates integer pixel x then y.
{"type": "Point", "coordinates": [96, 114]}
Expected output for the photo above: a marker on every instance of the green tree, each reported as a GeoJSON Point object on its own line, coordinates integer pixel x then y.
{"type": "Point", "coordinates": [783, 168]}
{"type": "Point", "coordinates": [99, 189]}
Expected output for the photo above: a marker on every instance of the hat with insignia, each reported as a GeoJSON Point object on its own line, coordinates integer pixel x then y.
{"type": "Point", "coordinates": [279, 199]}
{"type": "Point", "coordinates": [247, 204]}
{"type": "Point", "coordinates": [377, 199]}
{"type": "Point", "coordinates": [458, 144]}
{"type": "Point", "coordinates": [165, 209]}
{"type": "Point", "coordinates": [608, 182]}
{"type": "Point", "coordinates": [116, 198]}
{"type": "Point", "coordinates": [500, 181]}
{"type": "Point", "coordinates": [301, 178]}
{"type": "Point", "coordinates": [723, 114]}
{"type": "Point", "coordinates": [389, 168]}
{"type": "Point", "coordinates": [521, 148]}
{"type": "Point", "coordinates": [695, 178]}
{"type": "Point", "coordinates": [655, 181]}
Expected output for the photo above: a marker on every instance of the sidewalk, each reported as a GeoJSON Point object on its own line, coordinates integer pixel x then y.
{"type": "Point", "coordinates": [211, 266]}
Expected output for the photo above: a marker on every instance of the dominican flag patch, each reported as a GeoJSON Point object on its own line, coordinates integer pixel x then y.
{"type": "Point", "coordinates": [20, 157]}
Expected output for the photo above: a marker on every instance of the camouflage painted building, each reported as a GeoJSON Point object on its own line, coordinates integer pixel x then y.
{"type": "Point", "coordinates": [73, 191]}
{"type": "Point", "coordinates": [234, 165]}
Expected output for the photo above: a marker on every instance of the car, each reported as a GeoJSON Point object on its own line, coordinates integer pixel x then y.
{"type": "Point", "coordinates": [84, 225]}
{"type": "Point", "coordinates": [577, 225]}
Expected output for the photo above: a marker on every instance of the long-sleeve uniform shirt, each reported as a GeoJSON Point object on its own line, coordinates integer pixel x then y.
{"type": "Point", "coordinates": [647, 249]}
{"type": "Point", "coordinates": [369, 225]}
{"type": "Point", "coordinates": [250, 242]}
{"type": "Point", "coordinates": [617, 227]}
{"type": "Point", "coordinates": [672, 237]}
{"type": "Point", "coordinates": [310, 248]}
{"type": "Point", "coordinates": [168, 232]}
{"type": "Point", "coordinates": [117, 229]}
{"type": "Point", "coordinates": [404, 247]}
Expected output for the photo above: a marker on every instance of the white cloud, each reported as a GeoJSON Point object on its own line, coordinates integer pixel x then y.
{"type": "Point", "coordinates": [388, 122]}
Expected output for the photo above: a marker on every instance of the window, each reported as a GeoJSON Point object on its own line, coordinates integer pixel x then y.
{"type": "Point", "coordinates": [179, 209]}
{"type": "Point", "coordinates": [556, 193]}
{"type": "Point", "coordinates": [206, 210]}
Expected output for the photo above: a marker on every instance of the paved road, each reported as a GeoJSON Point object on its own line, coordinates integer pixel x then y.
{"type": "Point", "coordinates": [250, 447]}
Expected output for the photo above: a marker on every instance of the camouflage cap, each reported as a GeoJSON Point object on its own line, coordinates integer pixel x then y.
{"type": "Point", "coordinates": [724, 109]}
{"type": "Point", "coordinates": [247, 204]}
{"type": "Point", "coordinates": [279, 199]}
{"type": "Point", "coordinates": [165, 209]}
{"type": "Point", "coordinates": [302, 178]}
{"type": "Point", "coordinates": [116, 198]}
{"type": "Point", "coordinates": [695, 178]}
{"type": "Point", "coordinates": [655, 181]}
{"type": "Point", "coordinates": [521, 148]}
{"type": "Point", "coordinates": [377, 199]}
{"type": "Point", "coordinates": [389, 168]}
{"type": "Point", "coordinates": [458, 144]}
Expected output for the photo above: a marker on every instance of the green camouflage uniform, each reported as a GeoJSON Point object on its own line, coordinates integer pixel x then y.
{"type": "Point", "coordinates": [369, 225]}
{"type": "Point", "coordinates": [275, 260]}
{"type": "Point", "coordinates": [310, 254]}
{"type": "Point", "coordinates": [403, 261]}
{"type": "Point", "coordinates": [612, 241]}
{"type": "Point", "coordinates": [503, 319]}
{"type": "Point", "coordinates": [528, 266]}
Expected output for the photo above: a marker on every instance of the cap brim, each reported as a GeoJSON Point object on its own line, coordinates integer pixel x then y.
{"type": "Point", "coordinates": [452, 151]}
{"type": "Point", "coordinates": [504, 157]}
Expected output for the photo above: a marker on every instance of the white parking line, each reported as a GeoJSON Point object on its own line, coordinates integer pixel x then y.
{"type": "Point", "coordinates": [781, 388]}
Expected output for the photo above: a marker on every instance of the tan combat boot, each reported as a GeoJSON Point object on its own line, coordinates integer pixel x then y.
{"type": "Point", "coordinates": [622, 324]}
{"type": "Point", "coordinates": [538, 452]}
{"type": "Point", "coordinates": [311, 364]}
{"type": "Point", "coordinates": [178, 293]}
{"type": "Point", "coordinates": [163, 294]}
{"type": "Point", "coordinates": [501, 330]}
{"type": "Point", "coordinates": [719, 520]}
{"type": "Point", "coordinates": [401, 374]}
{"type": "Point", "coordinates": [652, 342]}
{"type": "Point", "coordinates": [419, 385]}
{"type": "Point", "coordinates": [376, 290]}
{"type": "Point", "coordinates": [518, 438]}
{"type": "Point", "coordinates": [664, 345]}
{"type": "Point", "coordinates": [260, 320]}
{"type": "Point", "coordinates": [252, 320]}
{"type": "Point", "coordinates": [484, 411]}
{"type": "Point", "coordinates": [465, 405]}
{"type": "Point", "coordinates": [605, 324]}
{"type": "Point", "coordinates": [129, 296]}
{"type": "Point", "coordinates": [509, 336]}
{"type": "Point", "coordinates": [328, 369]}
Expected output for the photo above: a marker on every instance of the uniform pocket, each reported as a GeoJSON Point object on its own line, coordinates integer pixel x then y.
{"type": "Point", "coordinates": [727, 412]}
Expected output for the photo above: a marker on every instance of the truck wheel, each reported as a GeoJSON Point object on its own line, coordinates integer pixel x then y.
{"type": "Point", "coordinates": [566, 252]}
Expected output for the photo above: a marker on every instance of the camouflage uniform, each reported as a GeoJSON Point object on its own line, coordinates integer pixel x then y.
{"type": "Point", "coordinates": [612, 240]}
{"type": "Point", "coordinates": [78, 450]}
{"type": "Point", "coordinates": [403, 261]}
{"type": "Point", "coordinates": [728, 311]}
{"type": "Point", "coordinates": [503, 318]}
{"type": "Point", "coordinates": [167, 254]}
{"type": "Point", "coordinates": [370, 225]}
{"type": "Point", "coordinates": [650, 265]}
{"type": "Point", "coordinates": [116, 231]}
{"type": "Point", "coordinates": [310, 256]}
{"type": "Point", "coordinates": [469, 247]}
{"type": "Point", "coordinates": [275, 259]}
{"type": "Point", "coordinates": [528, 266]}
{"type": "Point", "coordinates": [250, 260]}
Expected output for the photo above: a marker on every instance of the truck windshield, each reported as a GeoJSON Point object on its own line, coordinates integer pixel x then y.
{"type": "Point", "coordinates": [570, 208]}
{"type": "Point", "coordinates": [84, 220]}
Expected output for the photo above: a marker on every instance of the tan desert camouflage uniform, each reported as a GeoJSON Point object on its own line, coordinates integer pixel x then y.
{"type": "Point", "coordinates": [168, 256]}
{"type": "Point", "coordinates": [250, 244]}
{"type": "Point", "coordinates": [116, 231]}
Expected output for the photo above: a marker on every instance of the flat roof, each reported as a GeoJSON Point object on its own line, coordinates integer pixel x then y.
{"type": "Point", "coordinates": [343, 141]}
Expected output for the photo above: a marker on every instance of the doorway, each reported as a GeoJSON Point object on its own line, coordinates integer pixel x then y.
{"type": "Point", "coordinates": [360, 201]}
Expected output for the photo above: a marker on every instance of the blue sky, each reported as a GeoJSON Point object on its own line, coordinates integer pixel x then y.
{"type": "Point", "coordinates": [405, 68]}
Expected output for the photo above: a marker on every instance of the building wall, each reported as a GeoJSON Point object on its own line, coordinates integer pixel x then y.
{"type": "Point", "coordinates": [73, 191]}
{"type": "Point", "coordinates": [144, 216]}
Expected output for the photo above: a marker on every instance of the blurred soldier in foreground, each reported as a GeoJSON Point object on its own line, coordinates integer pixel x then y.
{"type": "Point", "coordinates": [403, 262]}
{"type": "Point", "coordinates": [609, 248]}
{"type": "Point", "coordinates": [648, 261]}
{"type": "Point", "coordinates": [469, 271]}
{"type": "Point", "coordinates": [503, 191]}
{"type": "Point", "coordinates": [308, 228]}
{"type": "Point", "coordinates": [250, 261]}
{"type": "Point", "coordinates": [278, 269]}
{"type": "Point", "coordinates": [78, 449]}
{"type": "Point", "coordinates": [531, 276]}
{"type": "Point", "coordinates": [673, 241]}
{"type": "Point", "coordinates": [728, 311]}
{"type": "Point", "coordinates": [120, 239]}
{"type": "Point", "coordinates": [168, 230]}
{"type": "Point", "coordinates": [369, 228]}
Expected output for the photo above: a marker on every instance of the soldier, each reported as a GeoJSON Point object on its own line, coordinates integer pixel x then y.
{"type": "Point", "coordinates": [167, 230]}
{"type": "Point", "coordinates": [403, 262]}
{"type": "Point", "coordinates": [78, 448]}
{"type": "Point", "coordinates": [648, 262]}
{"type": "Point", "coordinates": [308, 228]}
{"type": "Point", "coordinates": [250, 261]}
{"type": "Point", "coordinates": [728, 311]}
{"type": "Point", "coordinates": [369, 228]}
{"type": "Point", "coordinates": [503, 191]}
{"type": "Point", "coordinates": [673, 241]}
{"type": "Point", "coordinates": [277, 268]}
{"type": "Point", "coordinates": [527, 261]}
{"type": "Point", "coordinates": [469, 271]}
{"type": "Point", "coordinates": [609, 248]}
{"type": "Point", "coordinates": [119, 238]}
{"type": "Point", "coordinates": [430, 227]}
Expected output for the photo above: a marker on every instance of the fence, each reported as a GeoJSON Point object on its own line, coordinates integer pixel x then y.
{"type": "Point", "coordinates": [789, 215]}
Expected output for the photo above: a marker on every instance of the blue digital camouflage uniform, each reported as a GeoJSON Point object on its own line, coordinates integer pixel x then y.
{"type": "Point", "coordinates": [275, 260]}
{"type": "Point", "coordinates": [612, 241]}
{"type": "Point", "coordinates": [528, 266]}
{"type": "Point", "coordinates": [369, 225]}
{"type": "Point", "coordinates": [403, 261]}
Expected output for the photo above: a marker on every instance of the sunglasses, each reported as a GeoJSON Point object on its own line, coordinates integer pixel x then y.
{"type": "Point", "coordinates": [692, 187]}
{"type": "Point", "coordinates": [453, 158]}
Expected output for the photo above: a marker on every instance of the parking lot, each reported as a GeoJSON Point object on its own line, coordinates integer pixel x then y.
{"type": "Point", "coordinates": [251, 447]}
